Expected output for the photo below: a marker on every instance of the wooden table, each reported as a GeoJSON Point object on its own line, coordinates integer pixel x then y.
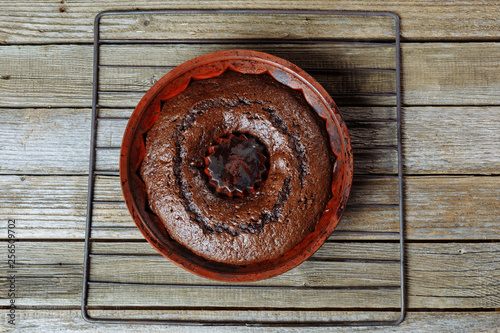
{"type": "Point", "coordinates": [451, 141]}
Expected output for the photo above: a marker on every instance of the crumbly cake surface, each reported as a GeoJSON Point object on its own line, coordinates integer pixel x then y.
{"type": "Point", "coordinates": [284, 209]}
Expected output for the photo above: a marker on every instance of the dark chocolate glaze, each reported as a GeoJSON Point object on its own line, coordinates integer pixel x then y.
{"type": "Point", "coordinates": [261, 225]}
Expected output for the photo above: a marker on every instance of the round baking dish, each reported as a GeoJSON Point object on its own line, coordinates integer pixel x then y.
{"type": "Point", "coordinates": [208, 66]}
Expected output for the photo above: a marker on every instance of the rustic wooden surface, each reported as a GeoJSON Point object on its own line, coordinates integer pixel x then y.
{"type": "Point", "coordinates": [451, 142]}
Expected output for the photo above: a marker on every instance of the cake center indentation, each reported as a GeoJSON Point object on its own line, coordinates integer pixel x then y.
{"type": "Point", "coordinates": [236, 164]}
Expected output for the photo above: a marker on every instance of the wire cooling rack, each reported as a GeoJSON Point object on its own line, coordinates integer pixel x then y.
{"type": "Point", "coordinates": [357, 277]}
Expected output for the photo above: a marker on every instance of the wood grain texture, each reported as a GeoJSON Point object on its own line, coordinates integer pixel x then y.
{"type": "Point", "coordinates": [111, 99]}
{"type": "Point", "coordinates": [307, 56]}
{"type": "Point", "coordinates": [437, 208]}
{"type": "Point", "coordinates": [132, 295]}
{"type": "Point", "coordinates": [436, 140]}
{"type": "Point", "coordinates": [247, 26]}
{"type": "Point", "coordinates": [363, 133]}
{"type": "Point", "coordinates": [440, 275]}
{"type": "Point", "coordinates": [382, 191]}
{"type": "Point", "coordinates": [348, 113]}
{"type": "Point", "coordinates": [461, 136]}
{"type": "Point", "coordinates": [451, 142]}
{"type": "Point", "coordinates": [425, 322]}
{"type": "Point", "coordinates": [329, 251]}
{"type": "Point", "coordinates": [336, 82]}
{"type": "Point", "coordinates": [113, 220]}
{"type": "Point", "coordinates": [44, 206]}
{"type": "Point", "coordinates": [448, 75]}
{"type": "Point", "coordinates": [312, 274]}
{"type": "Point", "coordinates": [72, 22]}
{"type": "Point", "coordinates": [45, 141]}
{"type": "Point", "coordinates": [261, 315]}
{"type": "Point", "coordinates": [433, 74]}
{"type": "Point", "coordinates": [46, 75]}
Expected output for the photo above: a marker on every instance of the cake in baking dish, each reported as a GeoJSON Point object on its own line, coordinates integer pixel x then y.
{"type": "Point", "coordinates": [238, 168]}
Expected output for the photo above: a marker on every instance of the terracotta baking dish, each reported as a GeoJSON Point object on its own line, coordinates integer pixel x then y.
{"type": "Point", "coordinates": [177, 80]}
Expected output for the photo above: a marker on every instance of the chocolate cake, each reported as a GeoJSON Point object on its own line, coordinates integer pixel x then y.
{"type": "Point", "coordinates": [238, 168]}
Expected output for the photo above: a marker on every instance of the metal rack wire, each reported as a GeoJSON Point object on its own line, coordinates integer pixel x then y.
{"type": "Point", "coordinates": [388, 37]}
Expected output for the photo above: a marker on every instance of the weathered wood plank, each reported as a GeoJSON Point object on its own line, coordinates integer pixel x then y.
{"type": "Point", "coordinates": [441, 208]}
{"type": "Point", "coordinates": [461, 135]}
{"type": "Point", "coordinates": [433, 74]}
{"type": "Point", "coordinates": [363, 134]}
{"type": "Point", "coordinates": [436, 140]}
{"type": "Point", "coordinates": [436, 207]}
{"type": "Point", "coordinates": [421, 85]}
{"type": "Point", "coordinates": [46, 76]}
{"type": "Point", "coordinates": [451, 85]}
{"type": "Point", "coordinates": [308, 274]}
{"type": "Point", "coordinates": [114, 221]}
{"type": "Point", "coordinates": [348, 113]}
{"type": "Point", "coordinates": [329, 251]}
{"type": "Point", "coordinates": [456, 211]}
{"type": "Point", "coordinates": [308, 57]}
{"type": "Point", "coordinates": [44, 207]}
{"type": "Point", "coordinates": [437, 204]}
{"type": "Point", "coordinates": [426, 322]}
{"type": "Point", "coordinates": [261, 315]}
{"type": "Point", "coordinates": [443, 280]}
{"type": "Point", "coordinates": [247, 26]}
{"type": "Point", "coordinates": [131, 295]}
{"type": "Point", "coordinates": [364, 190]}
{"type": "Point", "coordinates": [335, 82]}
{"type": "Point", "coordinates": [440, 275]}
{"type": "Point", "coordinates": [45, 140]}
{"type": "Point", "coordinates": [72, 21]}
{"type": "Point", "coordinates": [120, 99]}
